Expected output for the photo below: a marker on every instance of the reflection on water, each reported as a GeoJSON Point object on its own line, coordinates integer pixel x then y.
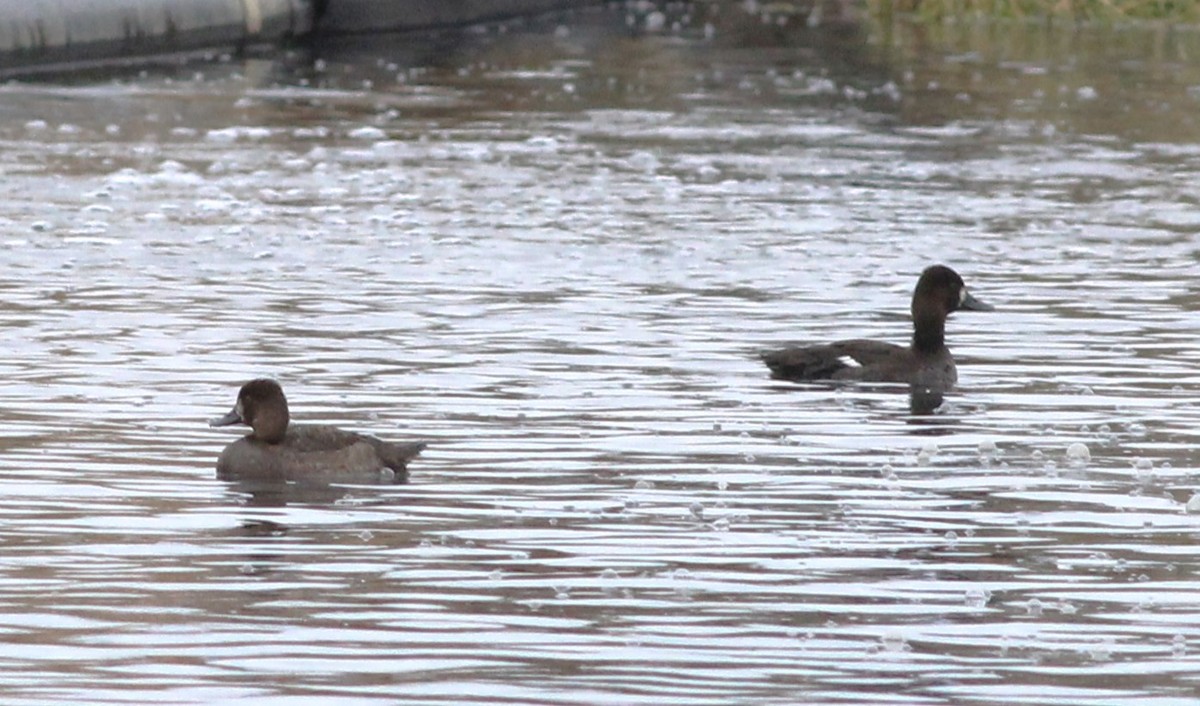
{"type": "Point", "coordinates": [924, 400]}
{"type": "Point", "coordinates": [553, 252]}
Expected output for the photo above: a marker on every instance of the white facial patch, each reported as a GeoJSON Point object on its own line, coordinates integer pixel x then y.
{"type": "Point", "coordinates": [237, 408]}
{"type": "Point", "coordinates": [849, 362]}
{"type": "Point", "coordinates": [962, 296]}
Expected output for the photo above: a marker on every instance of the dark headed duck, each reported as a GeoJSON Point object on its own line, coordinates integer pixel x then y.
{"type": "Point", "coordinates": [925, 363]}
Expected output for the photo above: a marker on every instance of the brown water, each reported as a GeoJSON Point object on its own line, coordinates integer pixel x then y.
{"type": "Point", "coordinates": [552, 252]}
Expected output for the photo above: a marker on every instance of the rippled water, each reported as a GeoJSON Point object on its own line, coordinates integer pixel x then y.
{"type": "Point", "coordinates": [552, 252]}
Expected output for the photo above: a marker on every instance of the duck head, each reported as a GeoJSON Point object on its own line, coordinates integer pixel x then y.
{"type": "Point", "coordinates": [261, 406]}
{"type": "Point", "coordinates": [941, 291]}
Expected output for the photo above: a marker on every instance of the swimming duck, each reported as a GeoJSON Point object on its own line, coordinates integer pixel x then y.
{"type": "Point", "coordinates": [926, 362]}
{"type": "Point", "coordinates": [277, 449]}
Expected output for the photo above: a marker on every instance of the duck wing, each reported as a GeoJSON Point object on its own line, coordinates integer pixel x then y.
{"type": "Point", "coordinates": [319, 438]}
{"type": "Point", "coordinates": [856, 359]}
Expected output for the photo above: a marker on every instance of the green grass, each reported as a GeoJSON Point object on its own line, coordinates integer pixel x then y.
{"type": "Point", "coordinates": [1077, 10]}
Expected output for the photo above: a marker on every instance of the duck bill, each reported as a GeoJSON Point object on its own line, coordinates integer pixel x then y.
{"type": "Point", "coordinates": [970, 303]}
{"type": "Point", "coordinates": [232, 418]}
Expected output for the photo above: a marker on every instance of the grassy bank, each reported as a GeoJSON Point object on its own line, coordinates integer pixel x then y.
{"type": "Point", "coordinates": [1073, 10]}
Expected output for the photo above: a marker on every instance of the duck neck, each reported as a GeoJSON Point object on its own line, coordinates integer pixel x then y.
{"type": "Point", "coordinates": [929, 333]}
{"type": "Point", "coordinates": [270, 425]}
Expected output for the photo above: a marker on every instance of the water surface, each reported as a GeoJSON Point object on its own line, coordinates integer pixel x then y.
{"type": "Point", "coordinates": [552, 250]}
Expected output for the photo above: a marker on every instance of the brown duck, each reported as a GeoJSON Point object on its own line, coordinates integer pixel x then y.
{"type": "Point", "coordinates": [276, 448]}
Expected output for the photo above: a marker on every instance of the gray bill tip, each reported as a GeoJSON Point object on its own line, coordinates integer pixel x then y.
{"type": "Point", "coordinates": [232, 418]}
{"type": "Point", "coordinates": [972, 304]}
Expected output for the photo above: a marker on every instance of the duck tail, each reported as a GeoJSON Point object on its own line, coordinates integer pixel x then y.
{"type": "Point", "coordinates": [397, 456]}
